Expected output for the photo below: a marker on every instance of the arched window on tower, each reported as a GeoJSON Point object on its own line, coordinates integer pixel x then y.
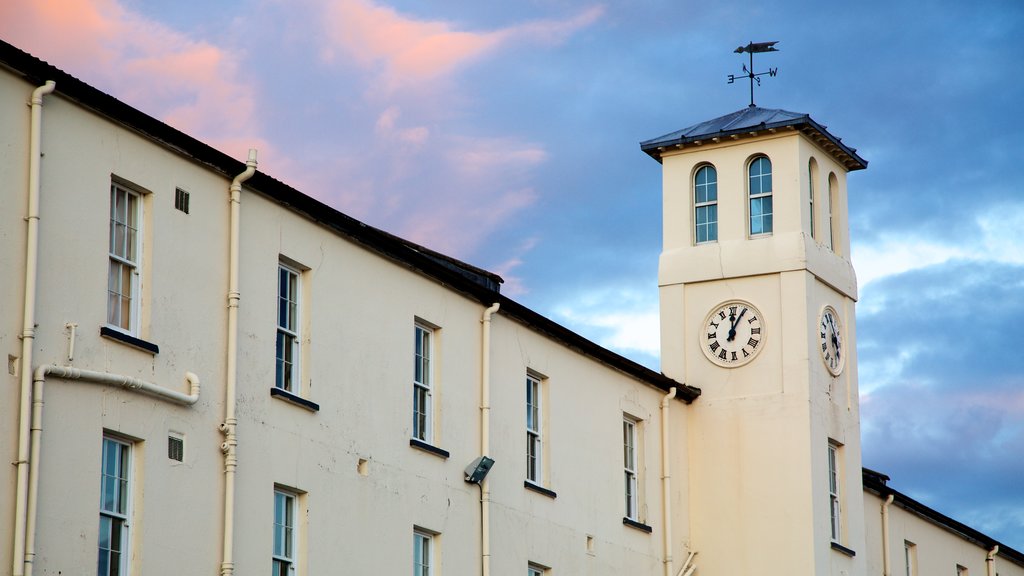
{"type": "Point", "coordinates": [812, 177]}
{"type": "Point", "coordinates": [833, 217]}
{"type": "Point", "coordinates": [705, 203]}
{"type": "Point", "coordinates": [760, 188]}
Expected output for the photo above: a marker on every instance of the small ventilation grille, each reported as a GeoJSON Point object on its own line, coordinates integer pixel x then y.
{"type": "Point", "coordinates": [176, 448]}
{"type": "Point", "coordinates": [181, 200]}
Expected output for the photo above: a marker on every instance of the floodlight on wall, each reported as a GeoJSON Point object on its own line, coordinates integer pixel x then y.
{"type": "Point", "coordinates": [478, 469]}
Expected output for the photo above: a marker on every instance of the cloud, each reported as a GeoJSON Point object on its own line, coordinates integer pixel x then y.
{"type": "Point", "coordinates": [407, 51]}
{"type": "Point", "coordinates": [621, 318]}
{"type": "Point", "coordinates": [952, 449]}
{"type": "Point", "coordinates": [942, 391]}
{"type": "Point", "coordinates": [191, 84]}
{"type": "Point", "coordinates": [436, 170]}
{"type": "Point", "coordinates": [985, 239]}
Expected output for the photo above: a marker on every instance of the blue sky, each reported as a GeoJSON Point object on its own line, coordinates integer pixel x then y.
{"type": "Point", "coordinates": [508, 137]}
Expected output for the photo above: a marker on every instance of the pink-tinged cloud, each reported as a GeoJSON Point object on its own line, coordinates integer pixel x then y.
{"type": "Point", "coordinates": [514, 285]}
{"type": "Point", "coordinates": [408, 51]}
{"type": "Point", "coordinates": [192, 85]}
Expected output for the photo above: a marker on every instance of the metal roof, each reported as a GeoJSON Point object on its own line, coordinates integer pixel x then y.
{"type": "Point", "coordinates": [754, 120]}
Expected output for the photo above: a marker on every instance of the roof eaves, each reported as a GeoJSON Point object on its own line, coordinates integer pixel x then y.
{"type": "Point", "coordinates": [656, 146]}
{"type": "Point", "coordinates": [877, 482]}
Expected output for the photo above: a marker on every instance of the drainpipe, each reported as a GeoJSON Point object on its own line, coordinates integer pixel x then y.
{"type": "Point", "coordinates": [228, 447]}
{"type": "Point", "coordinates": [28, 332]}
{"type": "Point", "coordinates": [886, 562]}
{"type": "Point", "coordinates": [485, 439]}
{"type": "Point", "coordinates": [666, 482]}
{"type": "Point", "coordinates": [990, 560]}
{"type": "Point", "coordinates": [102, 378]}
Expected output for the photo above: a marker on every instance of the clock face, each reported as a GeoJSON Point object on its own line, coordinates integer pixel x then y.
{"type": "Point", "coordinates": [830, 332]}
{"type": "Point", "coordinates": [732, 334]}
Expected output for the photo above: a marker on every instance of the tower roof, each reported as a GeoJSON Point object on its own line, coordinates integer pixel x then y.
{"type": "Point", "coordinates": [751, 121]}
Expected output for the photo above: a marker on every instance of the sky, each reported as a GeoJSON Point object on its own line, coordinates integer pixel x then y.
{"type": "Point", "coordinates": [506, 135]}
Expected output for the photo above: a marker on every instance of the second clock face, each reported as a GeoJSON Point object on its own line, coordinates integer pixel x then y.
{"type": "Point", "coordinates": [732, 334]}
{"type": "Point", "coordinates": [831, 340]}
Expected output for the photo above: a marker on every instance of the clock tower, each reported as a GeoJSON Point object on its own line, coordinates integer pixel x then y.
{"type": "Point", "coordinates": [757, 310]}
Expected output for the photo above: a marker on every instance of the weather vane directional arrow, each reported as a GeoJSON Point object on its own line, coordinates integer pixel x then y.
{"type": "Point", "coordinates": [751, 48]}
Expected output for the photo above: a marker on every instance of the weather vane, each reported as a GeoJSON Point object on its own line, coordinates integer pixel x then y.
{"type": "Point", "coordinates": [751, 48]}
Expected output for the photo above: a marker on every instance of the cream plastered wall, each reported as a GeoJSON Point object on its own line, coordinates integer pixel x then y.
{"type": "Point", "coordinates": [358, 355]}
{"type": "Point", "coordinates": [183, 256]}
{"type": "Point", "coordinates": [357, 315]}
{"type": "Point", "coordinates": [14, 116]}
{"type": "Point", "coordinates": [583, 461]}
{"type": "Point", "coordinates": [759, 434]}
{"type": "Point", "coordinates": [936, 549]}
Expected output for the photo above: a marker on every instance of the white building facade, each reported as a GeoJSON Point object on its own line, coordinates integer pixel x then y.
{"type": "Point", "coordinates": [209, 372]}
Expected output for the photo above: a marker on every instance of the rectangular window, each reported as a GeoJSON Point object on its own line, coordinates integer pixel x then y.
{"type": "Point", "coordinates": [629, 463]}
{"type": "Point", "coordinates": [125, 250]}
{"type": "Point", "coordinates": [961, 570]}
{"type": "Point", "coordinates": [422, 553]}
{"type": "Point", "coordinates": [115, 497]}
{"type": "Point", "coordinates": [533, 430]}
{"type": "Point", "coordinates": [910, 555]}
{"type": "Point", "coordinates": [835, 509]}
{"type": "Point", "coordinates": [422, 385]}
{"type": "Point", "coordinates": [287, 329]}
{"type": "Point", "coordinates": [535, 570]}
{"type": "Point", "coordinates": [284, 533]}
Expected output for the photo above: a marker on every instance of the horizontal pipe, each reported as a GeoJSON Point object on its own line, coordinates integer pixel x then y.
{"type": "Point", "coordinates": [68, 373]}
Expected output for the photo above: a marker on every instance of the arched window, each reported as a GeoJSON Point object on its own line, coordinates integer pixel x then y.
{"type": "Point", "coordinates": [705, 202]}
{"type": "Point", "coordinates": [812, 176]}
{"type": "Point", "coordinates": [833, 203]}
{"type": "Point", "coordinates": [760, 187]}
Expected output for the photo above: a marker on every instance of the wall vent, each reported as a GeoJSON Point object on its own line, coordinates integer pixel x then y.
{"type": "Point", "coordinates": [176, 448]}
{"type": "Point", "coordinates": [181, 200]}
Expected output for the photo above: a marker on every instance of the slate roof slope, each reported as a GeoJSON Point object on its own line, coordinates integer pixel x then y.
{"type": "Point", "coordinates": [470, 281]}
{"type": "Point", "coordinates": [754, 119]}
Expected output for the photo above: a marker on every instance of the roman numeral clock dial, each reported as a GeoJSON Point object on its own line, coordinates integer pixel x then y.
{"type": "Point", "coordinates": [732, 334]}
{"type": "Point", "coordinates": [830, 334]}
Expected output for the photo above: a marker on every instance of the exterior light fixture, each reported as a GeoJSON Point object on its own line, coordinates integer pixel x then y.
{"type": "Point", "coordinates": [478, 469]}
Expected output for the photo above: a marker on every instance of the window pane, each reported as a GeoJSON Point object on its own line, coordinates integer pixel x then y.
{"type": "Point", "coordinates": [278, 522]}
{"type": "Point", "coordinates": [285, 361]}
{"type": "Point", "coordinates": [421, 401]}
{"type": "Point", "coordinates": [104, 563]}
{"type": "Point", "coordinates": [104, 534]}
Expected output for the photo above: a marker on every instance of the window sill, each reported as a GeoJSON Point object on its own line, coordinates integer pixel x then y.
{"type": "Point", "coordinates": [293, 399]}
{"type": "Point", "coordinates": [843, 549]}
{"type": "Point", "coordinates": [428, 448]}
{"type": "Point", "coordinates": [137, 343]}
{"type": "Point", "coordinates": [539, 489]}
{"type": "Point", "coordinates": [638, 525]}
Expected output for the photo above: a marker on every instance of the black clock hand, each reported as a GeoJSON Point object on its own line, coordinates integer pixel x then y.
{"type": "Point", "coordinates": [732, 330]}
